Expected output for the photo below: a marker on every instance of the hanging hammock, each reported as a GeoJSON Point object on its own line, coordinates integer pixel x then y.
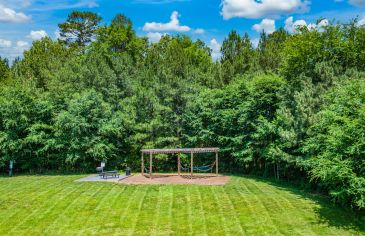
{"type": "Point", "coordinates": [199, 168]}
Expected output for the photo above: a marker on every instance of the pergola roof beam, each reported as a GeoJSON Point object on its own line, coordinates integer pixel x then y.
{"type": "Point", "coordinates": [179, 150]}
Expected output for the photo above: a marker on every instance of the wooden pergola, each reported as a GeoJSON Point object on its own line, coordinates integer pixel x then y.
{"type": "Point", "coordinates": [178, 151]}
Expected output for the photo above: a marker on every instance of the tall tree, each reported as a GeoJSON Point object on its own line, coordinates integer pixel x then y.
{"type": "Point", "coordinates": [269, 50]}
{"type": "Point", "coordinates": [337, 143]}
{"type": "Point", "coordinates": [4, 69]}
{"type": "Point", "coordinates": [120, 37]}
{"type": "Point", "coordinates": [237, 55]}
{"type": "Point", "coordinates": [79, 28]}
{"type": "Point", "coordinates": [43, 60]}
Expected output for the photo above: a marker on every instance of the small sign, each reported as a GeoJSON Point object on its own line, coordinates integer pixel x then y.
{"type": "Point", "coordinates": [11, 169]}
{"type": "Point", "coordinates": [102, 164]}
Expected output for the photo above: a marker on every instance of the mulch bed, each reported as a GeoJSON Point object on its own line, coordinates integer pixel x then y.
{"type": "Point", "coordinates": [197, 179]}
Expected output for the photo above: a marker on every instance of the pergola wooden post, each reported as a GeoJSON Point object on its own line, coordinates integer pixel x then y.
{"type": "Point", "coordinates": [142, 164]}
{"type": "Point", "coordinates": [191, 163]}
{"type": "Point", "coordinates": [216, 163]}
{"type": "Point", "coordinates": [178, 164]}
{"type": "Point", "coordinates": [150, 165]}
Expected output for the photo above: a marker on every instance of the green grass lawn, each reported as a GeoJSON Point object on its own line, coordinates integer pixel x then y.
{"type": "Point", "coordinates": [56, 205]}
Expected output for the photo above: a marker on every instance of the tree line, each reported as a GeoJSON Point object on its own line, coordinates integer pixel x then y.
{"type": "Point", "coordinates": [292, 108]}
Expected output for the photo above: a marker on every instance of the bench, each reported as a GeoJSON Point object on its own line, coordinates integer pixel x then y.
{"type": "Point", "coordinates": [106, 174]}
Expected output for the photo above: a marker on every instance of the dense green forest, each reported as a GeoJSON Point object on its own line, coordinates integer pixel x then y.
{"type": "Point", "coordinates": [292, 108]}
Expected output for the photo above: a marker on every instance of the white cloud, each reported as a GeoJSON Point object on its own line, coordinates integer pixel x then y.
{"type": "Point", "coordinates": [262, 8]}
{"type": "Point", "coordinates": [216, 49]}
{"type": "Point", "coordinates": [37, 35]}
{"type": "Point", "coordinates": [361, 22]}
{"type": "Point", "coordinates": [173, 25]}
{"type": "Point", "coordinates": [360, 3]}
{"type": "Point", "coordinates": [57, 34]}
{"type": "Point", "coordinates": [292, 26]}
{"type": "Point", "coordinates": [154, 37]}
{"type": "Point", "coordinates": [311, 26]}
{"type": "Point", "coordinates": [11, 51]}
{"type": "Point", "coordinates": [8, 15]}
{"type": "Point", "coordinates": [22, 44]}
{"type": "Point", "coordinates": [267, 25]}
{"type": "Point", "coordinates": [323, 23]}
{"type": "Point", "coordinates": [5, 43]}
{"type": "Point", "coordinates": [199, 31]}
{"type": "Point", "coordinates": [255, 42]}
{"type": "Point", "coordinates": [16, 4]}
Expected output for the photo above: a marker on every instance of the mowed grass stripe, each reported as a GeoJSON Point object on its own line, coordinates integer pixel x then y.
{"type": "Point", "coordinates": [276, 209]}
{"type": "Point", "coordinates": [261, 210]}
{"type": "Point", "coordinates": [98, 213]}
{"type": "Point", "coordinates": [216, 223]}
{"type": "Point", "coordinates": [81, 211]}
{"type": "Point", "coordinates": [271, 208]}
{"type": "Point", "coordinates": [106, 219]}
{"type": "Point", "coordinates": [283, 204]}
{"type": "Point", "coordinates": [304, 209]}
{"type": "Point", "coordinates": [254, 222]}
{"type": "Point", "coordinates": [199, 218]}
{"type": "Point", "coordinates": [13, 198]}
{"type": "Point", "coordinates": [51, 216]}
{"type": "Point", "coordinates": [145, 220]}
{"type": "Point", "coordinates": [170, 204]}
{"type": "Point", "coordinates": [121, 230]}
{"type": "Point", "coordinates": [232, 211]}
{"type": "Point", "coordinates": [180, 207]}
{"type": "Point", "coordinates": [72, 211]}
{"type": "Point", "coordinates": [59, 206]}
{"type": "Point", "coordinates": [131, 219]}
{"type": "Point", "coordinates": [21, 190]}
{"type": "Point", "coordinates": [223, 209]}
{"type": "Point", "coordinates": [25, 204]}
{"type": "Point", "coordinates": [165, 226]}
{"type": "Point", "coordinates": [51, 213]}
{"type": "Point", "coordinates": [249, 219]}
{"type": "Point", "coordinates": [188, 210]}
{"type": "Point", "coordinates": [155, 220]}
{"type": "Point", "coordinates": [41, 209]}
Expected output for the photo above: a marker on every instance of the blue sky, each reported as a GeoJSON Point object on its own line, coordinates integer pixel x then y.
{"type": "Point", "coordinates": [23, 21]}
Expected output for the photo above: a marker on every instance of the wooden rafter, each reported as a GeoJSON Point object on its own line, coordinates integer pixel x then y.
{"type": "Point", "coordinates": [179, 150]}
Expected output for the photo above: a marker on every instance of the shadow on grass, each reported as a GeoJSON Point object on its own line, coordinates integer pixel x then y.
{"type": "Point", "coordinates": [328, 213]}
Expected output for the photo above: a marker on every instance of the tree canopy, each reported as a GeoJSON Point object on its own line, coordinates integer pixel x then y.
{"type": "Point", "coordinates": [290, 108]}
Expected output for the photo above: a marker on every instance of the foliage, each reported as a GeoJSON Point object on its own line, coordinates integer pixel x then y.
{"type": "Point", "coordinates": [237, 55]}
{"type": "Point", "coordinates": [270, 48]}
{"type": "Point", "coordinates": [337, 144]}
{"type": "Point", "coordinates": [40, 62]}
{"type": "Point", "coordinates": [25, 129]}
{"type": "Point", "coordinates": [83, 129]}
{"type": "Point", "coordinates": [79, 29]}
{"type": "Point", "coordinates": [290, 108]}
{"type": "Point", "coordinates": [4, 69]}
{"type": "Point", "coordinates": [237, 118]}
{"type": "Point", "coordinates": [120, 37]}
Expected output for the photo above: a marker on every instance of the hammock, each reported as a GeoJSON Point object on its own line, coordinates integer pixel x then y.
{"type": "Point", "coordinates": [199, 168]}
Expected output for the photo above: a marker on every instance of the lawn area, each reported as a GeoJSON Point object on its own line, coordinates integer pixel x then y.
{"type": "Point", "coordinates": [56, 205]}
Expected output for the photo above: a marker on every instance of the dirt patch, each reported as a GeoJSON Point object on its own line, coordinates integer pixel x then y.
{"type": "Point", "coordinates": [175, 179]}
